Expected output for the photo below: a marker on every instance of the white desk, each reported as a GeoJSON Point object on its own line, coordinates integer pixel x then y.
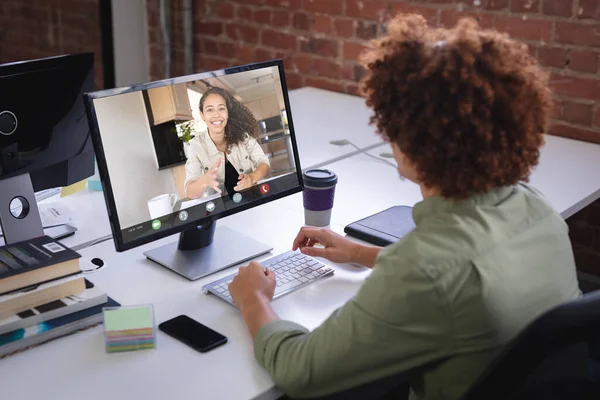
{"type": "Point", "coordinates": [78, 364]}
{"type": "Point", "coordinates": [320, 116]}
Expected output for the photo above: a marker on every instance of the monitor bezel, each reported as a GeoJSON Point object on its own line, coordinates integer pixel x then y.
{"type": "Point", "coordinates": [113, 216]}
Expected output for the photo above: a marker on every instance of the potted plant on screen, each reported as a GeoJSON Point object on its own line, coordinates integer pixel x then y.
{"type": "Point", "coordinates": [186, 132]}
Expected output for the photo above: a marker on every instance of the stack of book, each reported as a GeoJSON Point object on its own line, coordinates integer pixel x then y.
{"type": "Point", "coordinates": [44, 295]}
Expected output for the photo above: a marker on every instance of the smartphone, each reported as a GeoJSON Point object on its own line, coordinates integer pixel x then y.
{"type": "Point", "coordinates": [191, 332]}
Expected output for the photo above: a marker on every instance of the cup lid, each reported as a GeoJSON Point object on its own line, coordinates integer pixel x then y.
{"type": "Point", "coordinates": [318, 177]}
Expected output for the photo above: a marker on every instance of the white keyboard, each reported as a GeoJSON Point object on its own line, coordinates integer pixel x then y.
{"type": "Point", "coordinates": [292, 269]}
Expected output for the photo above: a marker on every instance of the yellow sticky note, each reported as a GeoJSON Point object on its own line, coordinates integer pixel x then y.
{"type": "Point", "coordinates": [74, 188]}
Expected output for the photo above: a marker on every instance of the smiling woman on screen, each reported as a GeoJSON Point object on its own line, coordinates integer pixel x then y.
{"type": "Point", "coordinates": [227, 153]}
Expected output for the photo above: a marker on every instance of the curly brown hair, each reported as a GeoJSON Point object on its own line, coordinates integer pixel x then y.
{"type": "Point", "coordinates": [467, 106]}
{"type": "Point", "coordinates": [241, 121]}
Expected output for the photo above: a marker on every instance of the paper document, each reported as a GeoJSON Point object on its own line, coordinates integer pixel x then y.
{"type": "Point", "coordinates": [51, 214]}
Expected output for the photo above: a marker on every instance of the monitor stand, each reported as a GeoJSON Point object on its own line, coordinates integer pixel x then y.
{"type": "Point", "coordinates": [26, 226]}
{"type": "Point", "coordinates": [205, 250]}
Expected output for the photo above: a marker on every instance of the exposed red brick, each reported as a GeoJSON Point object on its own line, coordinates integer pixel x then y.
{"type": "Point", "coordinates": [553, 57]}
{"type": "Point", "coordinates": [322, 24]}
{"type": "Point", "coordinates": [584, 61]}
{"type": "Point", "coordinates": [353, 89]}
{"type": "Point", "coordinates": [575, 86]}
{"type": "Point", "coordinates": [430, 14]}
{"type": "Point", "coordinates": [262, 16]}
{"type": "Point", "coordinates": [577, 133]}
{"type": "Point", "coordinates": [352, 50]}
{"type": "Point", "coordinates": [344, 27]}
{"type": "Point", "coordinates": [597, 117]}
{"type": "Point", "coordinates": [227, 50]}
{"type": "Point", "coordinates": [244, 13]}
{"type": "Point", "coordinates": [293, 81]}
{"type": "Point", "coordinates": [367, 30]}
{"type": "Point", "coordinates": [209, 28]}
{"type": "Point", "coordinates": [367, 9]}
{"type": "Point", "coordinates": [225, 10]}
{"type": "Point", "coordinates": [245, 53]}
{"type": "Point", "coordinates": [214, 63]}
{"type": "Point", "coordinates": [334, 7]}
{"type": "Point", "coordinates": [278, 39]}
{"type": "Point", "coordinates": [322, 83]}
{"type": "Point", "coordinates": [301, 63]}
{"type": "Point", "coordinates": [558, 8]}
{"type": "Point", "coordinates": [577, 33]}
{"type": "Point", "coordinates": [449, 18]}
{"type": "Point", "coordinates": [293, 4]}
{"type": "Point", "coordinates": [209, 46]}
{"type": "Point", "coordinates": [263, 55]}
{"type": "Point", "coordinates": [242, 33]}
{"type": "Point", "coordinates": [281, 18]}
{"type": "Point", "coordinates": [301, 21]}
{"type": "Point", "coordinates": [557, 108]}
{"type": "Point", "coordinates": [496, 5]}
{"type": "Point", "coordinates": [322, 47]}
{"type": "Point", "coordinates": [577, 113]}
{"type": "Point", "coordinates": [589, 9]}
{"type": "Point", "coordinates": [525, 29]}
{"type": "Point", "coordinates": [525, 6]}
{"type": "Point", "coordinates": [347, 71]}
{"type": "Point", "coordinates": [325, 67]}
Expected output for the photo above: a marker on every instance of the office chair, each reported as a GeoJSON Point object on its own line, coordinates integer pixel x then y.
{"type": "Point", "coordinates": [557, 357]}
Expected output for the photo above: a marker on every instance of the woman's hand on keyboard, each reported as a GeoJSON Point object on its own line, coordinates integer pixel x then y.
{"type": "Point", "coordinates": [253, 284]}
{"type": "Point", "coordinates": [333, 247]}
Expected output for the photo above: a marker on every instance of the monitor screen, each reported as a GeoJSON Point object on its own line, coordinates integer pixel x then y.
{"type": "Point", "coordinates": [181, 152]}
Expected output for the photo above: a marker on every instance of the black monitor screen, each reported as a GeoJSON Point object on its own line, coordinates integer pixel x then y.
{"type": "Point", "coordinates": [177, 153]}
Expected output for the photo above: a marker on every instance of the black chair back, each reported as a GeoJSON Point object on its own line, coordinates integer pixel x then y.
{"type": "Point", "coordinates": [556, 357]}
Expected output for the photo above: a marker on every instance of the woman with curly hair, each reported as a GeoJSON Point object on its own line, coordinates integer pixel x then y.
{"type": "Point", "coordinates": [227, 153]}
{"type": "Point", "coordinates": [465, 110]}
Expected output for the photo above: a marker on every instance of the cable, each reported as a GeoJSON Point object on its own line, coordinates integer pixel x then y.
{"type": "Point", "coordinates": [343, 142]}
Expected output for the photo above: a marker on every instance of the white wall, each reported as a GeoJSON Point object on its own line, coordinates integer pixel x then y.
{"type": "Point", "coordinates": [130, 41]}
{"type": "Point", "coordinates": [130, 156]}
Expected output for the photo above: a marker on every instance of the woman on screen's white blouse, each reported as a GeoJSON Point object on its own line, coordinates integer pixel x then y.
{"type": "Point", "coordinates": [227, 155]}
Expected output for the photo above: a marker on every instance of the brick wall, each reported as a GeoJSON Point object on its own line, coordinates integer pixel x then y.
{"type": "Point", "coordinates": [33, 29]}
{"type": "Point", "coordinates": [321, 39]}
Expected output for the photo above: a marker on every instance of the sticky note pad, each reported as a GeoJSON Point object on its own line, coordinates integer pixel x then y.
{"type": "Point", "coordinates": [129, 328]}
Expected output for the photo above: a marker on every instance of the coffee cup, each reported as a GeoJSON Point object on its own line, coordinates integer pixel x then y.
{"type": "Point", "coordinates": [318, 195]}
{"type": "Point", "coordinates": [161, 205]}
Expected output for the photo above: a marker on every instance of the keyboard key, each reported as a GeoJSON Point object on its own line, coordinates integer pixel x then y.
{"type": "Point", "coordinates": [302, 279]}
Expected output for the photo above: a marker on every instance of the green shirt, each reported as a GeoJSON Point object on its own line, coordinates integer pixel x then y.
{"type": "Point", "coordinates": [439, 303]}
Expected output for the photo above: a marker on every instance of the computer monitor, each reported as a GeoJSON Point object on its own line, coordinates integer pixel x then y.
{"type": "Point", "coordinates": [157, 183]}
{"type": "Point", "coordinates": [44, 134]}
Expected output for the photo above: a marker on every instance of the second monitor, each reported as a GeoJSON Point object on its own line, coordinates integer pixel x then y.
{"type": "Point", "coordinates": [178, 154]}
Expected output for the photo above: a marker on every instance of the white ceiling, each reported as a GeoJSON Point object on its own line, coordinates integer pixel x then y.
{"type": "Point", "coordinates": [251, 85]}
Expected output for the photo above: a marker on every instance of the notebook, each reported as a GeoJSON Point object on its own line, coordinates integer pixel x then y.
{"type": "Point", "coordinates": [385, 227]}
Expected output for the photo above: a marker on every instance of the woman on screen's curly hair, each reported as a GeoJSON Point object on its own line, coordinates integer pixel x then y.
{"type": "Point", "coordinates": [227, 153]}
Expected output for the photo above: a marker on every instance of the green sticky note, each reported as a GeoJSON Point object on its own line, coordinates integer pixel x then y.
{"type": "Point", "coordinates": [128, 318]}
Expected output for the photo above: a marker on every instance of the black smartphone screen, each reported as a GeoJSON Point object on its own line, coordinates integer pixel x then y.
{"type": "Point", "coordinates": [192, 333]}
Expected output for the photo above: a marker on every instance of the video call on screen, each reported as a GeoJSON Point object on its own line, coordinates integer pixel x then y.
{"type": "Point", "coordinates": [160, 148]}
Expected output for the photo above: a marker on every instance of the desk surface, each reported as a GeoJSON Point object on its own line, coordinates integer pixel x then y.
{"type": "Point", "coordinates": [78, 364]}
